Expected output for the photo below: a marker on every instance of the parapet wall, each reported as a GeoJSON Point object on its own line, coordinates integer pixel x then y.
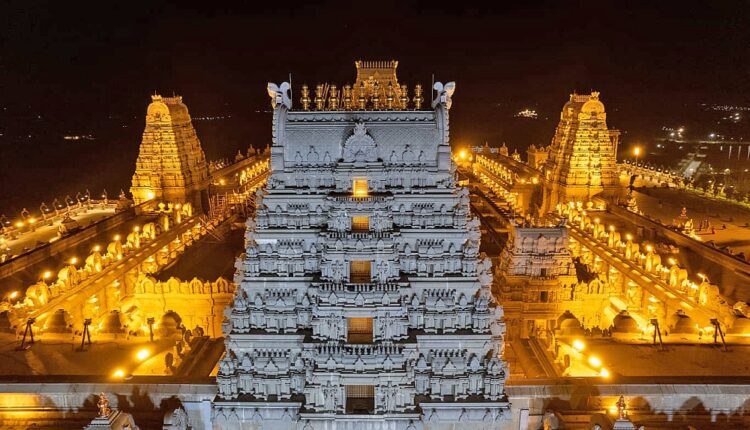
{"type": "Point", "coordinates": [576, 404]}
{"type": "Point", "coordinates": [662, 403]}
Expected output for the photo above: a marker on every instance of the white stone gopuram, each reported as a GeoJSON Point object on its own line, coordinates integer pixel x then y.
{"type": "Point", "coordinates": [362, 301]}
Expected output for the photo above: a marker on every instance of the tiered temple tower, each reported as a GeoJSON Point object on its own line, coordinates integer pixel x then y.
{"type": "Point", "coordinates": [582, 156]}
{"type": "Point", "coordinates": [362, 299]}
{"type": "Point", "coordinates": [171, 165]}
{"type": "Point", "coordinates": [536, 279]}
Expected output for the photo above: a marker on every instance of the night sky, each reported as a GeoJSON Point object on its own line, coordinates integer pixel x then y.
{"type": "Point", "coordinates": [90, 68]}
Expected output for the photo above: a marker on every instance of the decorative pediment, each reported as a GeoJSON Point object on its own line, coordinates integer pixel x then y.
{"type": "Point", "coordinates": [360, 146]}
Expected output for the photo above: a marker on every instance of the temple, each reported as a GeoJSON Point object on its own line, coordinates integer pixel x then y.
{"type": "Point", "coordinates": [171, 165]}
{"type": "Point", "coordinates": [581, 159]}
{"type": "Point", "coordinates": [362, 295]}
{"type": "Point", "coordinates": [359, 275]}
{"type": "Point", "coordinates": [535, 279]}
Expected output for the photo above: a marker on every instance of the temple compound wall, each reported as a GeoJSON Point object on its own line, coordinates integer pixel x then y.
{"type": "Point", "coordinates": [171, 166]}
{"type": "Point", "coordinates": [580, 162]}
{"type": "Point", "coordinates": [508, 178]}
{"type": "Point", "coordinates": [198, 303]}
{"type": "Point", "coordinates": [362, 299]}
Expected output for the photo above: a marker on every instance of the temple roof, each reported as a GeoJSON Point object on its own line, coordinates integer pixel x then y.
{"type": "Point", "coordinates": [384, 72]}
{"type": "Point", "coordinates": [167, 109]}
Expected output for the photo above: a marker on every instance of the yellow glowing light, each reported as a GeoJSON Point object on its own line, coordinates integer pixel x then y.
{"type": "Point", "coordinates": [629, 237]}
{"type": "Point", "coordinates": [47, 274]}
{"type": "Point", "coordinates": [596, 220]}
{"type": "Point", "coordinates": [136, 229]}
{"type": "Point", "coordinates": [672, 261]}
{"type": "Point", "coordinates": [649, 248]}
{"type": "Point", "coordinates": [360, 188]}
{"type": "Point", "coordinates": [14, 294]}
{"type": "Point", "coordinates": [142, 354]}
{"type": "Point", "coordinates": [119, 374]}
{"type": "Point", "coordinates": [702, 276]}
{"type": "Point", "coordinates": [19, 224]}
{"type": "Point", "coordinates": [611, 228]}
{"type": "Point", "coordinates": [462, 154]}
{"type": "Point", "coordinates": [594, 361]}
{"type": "Point", "coordinates": [222, 182]}
{"type": "Point", "coordinates": [73, 260]}
{"type": "Point", "coordinates": [535, 180]}
{"type": "Point", "coordinates": [97, 248]}
{"type": "Point", "coordinates": [117, 237]}
{"type": "Point", "coordinates": [579, 345]}
{"type": "Point", "coordinates": [604, 373]}
{"type": "Point", "coordinates": [32, 220]}
{"type": "Point", "coordinates": [637, 151]}
{"type": "Point", "coordinates": [613, 410]}
{"type": "Point", "coordinates": [150, 195]}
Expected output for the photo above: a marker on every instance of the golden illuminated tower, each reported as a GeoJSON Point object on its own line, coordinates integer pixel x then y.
{"type": "Point", "coordinates": [171, 165]}
{"type": "Point", "coordinates": [582, 156]}
{"type": "Point", "coordinates": [377, 78]}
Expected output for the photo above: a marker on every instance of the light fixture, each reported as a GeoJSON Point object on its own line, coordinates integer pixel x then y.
{"type": "Point", "coordinates": [595, 361]}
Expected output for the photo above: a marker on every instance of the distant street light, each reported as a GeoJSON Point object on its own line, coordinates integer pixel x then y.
{"type": "Point", "coordinates": [636, 152]}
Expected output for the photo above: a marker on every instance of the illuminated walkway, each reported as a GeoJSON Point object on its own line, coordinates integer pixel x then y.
{"type": "Point", "coordinates": [94, 284]}
{"type": "Point", "coordinates": [44, 233]}
{"type": "Point", "coordinates": [672, 298]}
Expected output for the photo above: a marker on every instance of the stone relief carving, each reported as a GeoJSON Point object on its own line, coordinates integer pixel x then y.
{"type": "Point", "coordinates": [360, 146]}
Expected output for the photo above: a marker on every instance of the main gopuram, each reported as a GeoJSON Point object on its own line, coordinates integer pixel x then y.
{"type": "Point", "coordinates": [362, 299]}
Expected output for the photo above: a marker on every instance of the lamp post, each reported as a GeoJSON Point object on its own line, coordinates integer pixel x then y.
{"type": "Point", "coordinates": [636, 152]}
{"type": "Point", "coordinates": [150, 321]}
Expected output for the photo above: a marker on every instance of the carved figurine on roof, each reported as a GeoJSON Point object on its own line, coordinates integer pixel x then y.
{"type": "Point", "coordinates": [442, 104]}
{"type": "Point", "coordinates": [281, 103]}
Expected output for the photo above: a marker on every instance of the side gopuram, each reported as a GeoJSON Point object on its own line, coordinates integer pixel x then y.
{"type": "Point", "coordinates": [580, 162]}
{"type": "Point", "coordinates": [363, 301]}
{"type": "Point", "coordinates": [171, 165]}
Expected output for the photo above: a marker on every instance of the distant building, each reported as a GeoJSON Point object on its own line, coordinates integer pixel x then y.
{"type": "Point", "coordinates": [582, 156]}
{"type": "Point", "coordinates": [363, 301]}
{"type": "Point", "coordinates": [171, 166]}
{"type": "Point", "coordinates": [536, 157]}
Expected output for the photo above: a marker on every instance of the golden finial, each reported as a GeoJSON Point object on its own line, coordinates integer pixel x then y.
{"type": "Point", "coordinates": [347, 97]}
{"type": "Point", "coordinates": [404, 97]}
{"type": "Point", "coordinates": [103, 405]}
{"type": "Point", "coordinates": [319, 100]}
{"type": "Point", "coordinates": [333, 99]}
{"type": "Point", "coordinates": [389, 96]}
{"type": "Point", "coordinates": [418, 99]}
{"type": "Point", "coordinates": [375, 96]}
{"type": "Point", "coordinates": [305, 100]}
{"type": "Point", "coordinates": [361, 99]}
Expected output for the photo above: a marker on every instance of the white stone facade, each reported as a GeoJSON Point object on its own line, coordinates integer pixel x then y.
{"type": "Point", "coordinates": [362, 225]}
